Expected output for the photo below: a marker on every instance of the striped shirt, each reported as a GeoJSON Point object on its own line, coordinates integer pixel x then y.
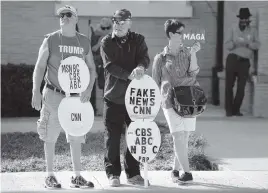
{"type": "Point", "coordinates": [171, 71]}
{"type": "Point", "coordinates": [249, 34]}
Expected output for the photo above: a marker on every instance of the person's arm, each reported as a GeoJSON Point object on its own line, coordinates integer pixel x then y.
{"type": "Point", "coordinates": [255, 43]}
{"type": "Point", "coordinates": [142, 54]}
{"type": "Point", "coordinates": [156, 69]}
{"type": "Point", "coordinates": [40, 66]}
{"type": "Point", "coordinates": [109, 61]}
{"type": "Point", "coordinates": [193, 68]}
{"type": "Point", "coordinates": [230, 45]}
{"type": "Point", "coordinates": [92, 69]}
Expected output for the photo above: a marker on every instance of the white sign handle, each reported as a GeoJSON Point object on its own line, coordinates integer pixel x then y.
{"type": "Point", "coordinates": [146, 174]}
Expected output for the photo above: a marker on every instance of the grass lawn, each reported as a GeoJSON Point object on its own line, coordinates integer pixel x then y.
{"type": "Point", "coordinates": [23, 152]}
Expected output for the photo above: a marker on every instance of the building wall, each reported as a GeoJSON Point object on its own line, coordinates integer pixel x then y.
{"type": "Point", "coordinates": [254, 93]}
{"type": "Point", "coordinates": [22, 37]}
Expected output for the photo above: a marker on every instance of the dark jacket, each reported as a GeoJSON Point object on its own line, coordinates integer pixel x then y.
{"type": "Point", "coordinates": [119, 60]}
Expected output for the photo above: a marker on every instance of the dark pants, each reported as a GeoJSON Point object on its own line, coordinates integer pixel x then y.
{"type": "Point", "coordinates": [115, 118]}
{"type": "Point", "coordinates": [236, 68]}
{"type": "Point", "coordinates": [93, 98]}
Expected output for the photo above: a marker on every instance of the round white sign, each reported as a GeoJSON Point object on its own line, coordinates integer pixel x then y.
{"type": "Point", "coordinates": [75, 117]}
{"type": "Point", "coordinates": [143, 99]}
{"type": "Point", "coordinates": [143, 140]}
{"type": "Point", "coordinates": [73, 75]}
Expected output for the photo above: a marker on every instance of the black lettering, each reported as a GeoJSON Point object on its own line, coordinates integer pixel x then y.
{"type": "Point", "coordinates": [148, 110]}
{"type": "Point", "coordinates": [149, 132]}
{"type": "Point", "coordinates": [137, 130]}
{"type": "Point", "coordinates": [135, 110]}
{"type": "Point", "coordinates": [137, 142]}
{"type": "Point", "coordinates": [76, 117]}
{"type": "Point", "coordinates": [143, 149]}
{"type": "Point", "coordinates": [65, 68]}
{"type": "Point", "coordinates": [71, 85]}
{"type": "Point", "coordinates": [132, 100]}
{"type": "Point", "coordinates": [75, 84]}
{"type": "Point", "coordinates": [142, 110]}
{"type": "Point", "coordinates": [145, 93]}
{"type": "Point", "coordinates": [138, 101]}
{"type": "Point", "coordinates": [152, 92]}
{"type": "Point", "coordinates": [143, 140]}
{"type": "Point", "coordinates": [145, 101]}
{"type": "Point", "coordinates": [79, 83]}
{"type": "Point", "coordinates": [143, 132]}
{"type": "Point", "coordinates": [152, 100]}
{"type": "Point", "coordinates": [139, 93]}
{"type": "Point", "coordinates": [133, 149]}
{"type": "Point", "coordinates": [132, 91]}
{"type": "Point", "coordinates": [154, 149]}
{"type": "Point", "coordinates": [150, 139]}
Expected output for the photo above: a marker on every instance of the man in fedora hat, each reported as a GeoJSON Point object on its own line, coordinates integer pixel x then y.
{"type": "Point", "coordinates": [241, 43]}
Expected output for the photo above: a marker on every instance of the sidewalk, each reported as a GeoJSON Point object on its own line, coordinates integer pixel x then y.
{"type": "Point", "coordinates": [220, 181]}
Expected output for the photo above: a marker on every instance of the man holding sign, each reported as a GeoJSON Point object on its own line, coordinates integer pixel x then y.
{"type": "Point", "coordinates": [125, 57]}
{"type": "Point", "coordinates": [57, 46]}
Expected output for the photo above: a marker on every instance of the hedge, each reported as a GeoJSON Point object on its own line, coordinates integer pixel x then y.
{"type": "Point", "coordinates": [16, 92]}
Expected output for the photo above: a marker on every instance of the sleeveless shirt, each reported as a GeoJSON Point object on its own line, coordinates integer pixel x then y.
{"type": "Point", "coordinates": [61, 47]}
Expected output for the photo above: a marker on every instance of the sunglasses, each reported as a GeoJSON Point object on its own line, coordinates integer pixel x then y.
{"type": "Point", "coordinates": [68, 14]}
{"type": "Point", "coordinates": [178, 32]}
{"type": "Point", "coordinates": [104, 28]}
{"type": "Point", "coordinates": [120, 22]}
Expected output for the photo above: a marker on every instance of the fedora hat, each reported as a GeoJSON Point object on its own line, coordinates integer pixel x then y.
{"type": "Point", "coordinates": [244, 13]}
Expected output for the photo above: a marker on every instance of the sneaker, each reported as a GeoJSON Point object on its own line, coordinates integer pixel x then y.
{"type": "Point", "coordinates": [114, 181]}
{"type": "Point", "coordinates": [239, 114]}
{"type": "Point", "coordinates": [137, 180]}
{"type": "Point", "coordinates": [80, 182]}
{"type": "Point", "coordinates": [52, 183]}
{"type": "Point", "coordinates": [185, 178]}
{"type": "Point", "coordinates": [175, 175]}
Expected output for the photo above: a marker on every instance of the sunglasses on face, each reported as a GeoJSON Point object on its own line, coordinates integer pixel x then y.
{"type": "Point", "coordinates": [68, 14]}
{"type": "Point", "coordinates": [104, 28]}
{"type": "Point", "coordinates": [178, 32]}
{"type": "Point", "coordinates": [120, 22]}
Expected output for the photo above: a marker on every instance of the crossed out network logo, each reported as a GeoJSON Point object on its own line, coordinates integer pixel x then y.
{"type": "Point", "coordinates": [192, 35]}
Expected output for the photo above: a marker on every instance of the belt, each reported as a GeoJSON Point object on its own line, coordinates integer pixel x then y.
{"type": "Point", "coordinates": [241, 58]}
{"type": "Point", "coordinates": [58, 90]}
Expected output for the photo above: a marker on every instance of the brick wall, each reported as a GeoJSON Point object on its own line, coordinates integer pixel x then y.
{"type": "Point", "coordinates": [25, 23]}
{"type": "Point", "coordinates": [259, 20]}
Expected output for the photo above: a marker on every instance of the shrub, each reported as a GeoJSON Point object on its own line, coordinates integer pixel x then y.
{"type": "Point", "coordinates": [17, 91]}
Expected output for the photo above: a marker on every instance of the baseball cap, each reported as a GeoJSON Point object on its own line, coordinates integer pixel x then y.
{"type": "Point", "coordinates": [67, 8]}
{"type": "Point", "coordinates": [122, 14]}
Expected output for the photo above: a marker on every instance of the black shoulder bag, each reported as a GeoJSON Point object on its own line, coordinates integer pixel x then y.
{"type": "Point", "coordinates": [188, 101]}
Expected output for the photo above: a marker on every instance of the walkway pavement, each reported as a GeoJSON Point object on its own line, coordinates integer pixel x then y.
{"type": "Point", "coordinates": [204, 182]}
{"type": "Point", "coordinates": [237, 144]}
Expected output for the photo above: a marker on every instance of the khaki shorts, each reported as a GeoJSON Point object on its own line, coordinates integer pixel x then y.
{"type": "Point", "coordinates": [177, 123]}
{"type": "Point", "coordinates": [48, 126]}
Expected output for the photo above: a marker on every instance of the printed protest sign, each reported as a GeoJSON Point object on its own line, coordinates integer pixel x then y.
{"type": "Point", "coordinates": [73, 75]}
{"type": "Point", "coordinates": [76, 118]}
{"type": "Point", "coordinates": [143, 140]}
{"type": "Point", "coordinates": [193, 34]}
{"type": "Point", "coordinates": [143, 99]}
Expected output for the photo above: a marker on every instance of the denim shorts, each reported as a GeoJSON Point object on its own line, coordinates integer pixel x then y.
{"type": "Point", "coordinates": [48, 125]}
